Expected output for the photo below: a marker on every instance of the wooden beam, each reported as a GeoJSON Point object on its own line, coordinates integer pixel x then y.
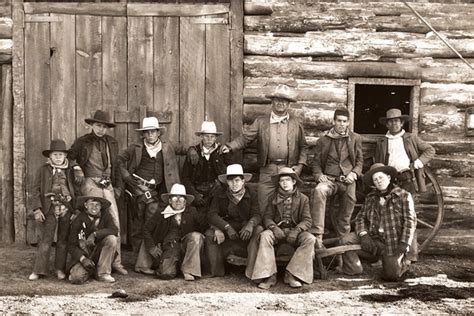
{"type": "Point", "coordinates": [19, 188]}
{"type": "Point", "coordinates": [6, 46]}
{"type": "Point", "coordinates": [101, 9]}
{"type": "Point", "coordinates": [6, 25]}
{"type": "Point", "coordinates": [181, 10]}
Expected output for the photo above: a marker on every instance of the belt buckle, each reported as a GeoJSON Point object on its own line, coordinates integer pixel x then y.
{"type": "Point", "coordinates": [147, 195]}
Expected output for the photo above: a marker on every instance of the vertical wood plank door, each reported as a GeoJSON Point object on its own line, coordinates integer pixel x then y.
{"type": "Point", "coordinates": [153, 59]}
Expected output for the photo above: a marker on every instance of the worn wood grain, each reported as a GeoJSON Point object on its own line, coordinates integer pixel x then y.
{"type": "Point", "coordinates": [6, 46]}
{"type": "Point", "coordinates": [6, 25]}
{"type": "Point", "coordinates": [456, 94]}
{"type": "Point", "coordinates": [441, 119]}
{"type": "Point", "coordinates": [181, 10]}
{"type": "Point", "coordinates": [98, 9]}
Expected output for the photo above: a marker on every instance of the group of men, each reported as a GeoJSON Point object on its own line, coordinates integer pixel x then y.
{"type": "Point", "coordinates": [199, 217]}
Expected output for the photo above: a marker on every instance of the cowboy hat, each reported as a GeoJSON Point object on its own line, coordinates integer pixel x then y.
{"type": "Point", "coordinates": [234, 170]}
{"type": "Point", "coordinates": [150, 123]}
{"type": "Point", "coordinates": [283, 92]}
{"type": "Point", "coordinates": [208, 127]}
{"type": "Point", "coordinates": [83, 199]}
{"type": "Point", "coordinates": [100, 117]}
{"type": "Point", "coordinates": [177, 189]}
{"type": "Point", "coordinates": [286, 171]}
{"type": "Point", "coordinates": [392, 114]}
{"type": "Point", "coordinates": [56, 145]}
{"type": "Point", "coordinates": [378, 167]}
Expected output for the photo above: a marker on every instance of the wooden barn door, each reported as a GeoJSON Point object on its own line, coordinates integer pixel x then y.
{"type": "Point", "coordinates": [178, 62]}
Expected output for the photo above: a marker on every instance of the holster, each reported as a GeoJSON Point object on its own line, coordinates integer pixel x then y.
{"type": "Point", "coordinates": [420, 179]}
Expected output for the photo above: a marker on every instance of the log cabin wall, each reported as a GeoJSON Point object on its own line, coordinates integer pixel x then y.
{"type": "Point", "coordinates": [316, 46]}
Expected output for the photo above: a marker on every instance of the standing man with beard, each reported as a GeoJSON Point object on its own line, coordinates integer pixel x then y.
{"type": "Point", "coordinates": [337, 165]}
{"type": "Point", "coordinates": [96, 154]}
{"type": "Point", "coordinates": [280, 143]}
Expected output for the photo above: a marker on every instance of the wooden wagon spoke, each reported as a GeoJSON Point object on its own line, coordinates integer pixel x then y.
{"type": "Point", "coordinates": [425, 223]}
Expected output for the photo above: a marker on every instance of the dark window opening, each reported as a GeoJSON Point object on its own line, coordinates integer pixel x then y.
{"type": "Point", "coordinates": [372, 102]}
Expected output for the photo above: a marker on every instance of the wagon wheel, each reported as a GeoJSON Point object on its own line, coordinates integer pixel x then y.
{"type": "Point", "coordinates": [429, 210]}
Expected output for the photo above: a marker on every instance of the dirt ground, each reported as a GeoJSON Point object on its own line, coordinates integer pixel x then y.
{"type": "Point", "coordinates": [435, 284]}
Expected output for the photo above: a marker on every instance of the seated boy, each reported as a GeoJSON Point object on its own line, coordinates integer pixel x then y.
{"type": "Point", "coordinates": [51, 199]}
{"type": "Point", "coordinates": [287, 219]}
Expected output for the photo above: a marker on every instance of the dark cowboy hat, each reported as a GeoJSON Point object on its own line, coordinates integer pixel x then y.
{"type": "Point", "coordinates": [56, 145]}
{"type": "Point", "coordinates": [286, 171]}
{"type": "Point", "coordinates": [283, 92]}
{"type": "Point", "coordinates": [83, 199]}
{"type": "Point", "coordinates": [177, 189]}
{"type": "Point", "coordinates": [394, 113]}
{"type": "Point", "coordinates": [100, 117]}
{"type": "Point", "coordinates": [234, 170]}
{"type": "Point", "coordinates": [378, 167]}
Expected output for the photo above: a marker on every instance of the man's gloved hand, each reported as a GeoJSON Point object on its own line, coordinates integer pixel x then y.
{"type": "Point", "coordinates": [39, 216]}
{"type": "Point", "coordinates": [219, 236]}
{"type": "Point", "coordinates": [231, 232]}
{"type": "Point", "coordinates": [417, 164]}
{"type": "Point", "coordinates": [246, 232]}
{"type": "Point", "coordinates": [403, 248]}
{"type": "Point", "coordinates": [297, 169]}
{"type": "Point", "coordinates": [78, 175]}
{"type": "Point", "coordinates": [224, 150]}
{"type": "Point", "coordinates": [193, 155]}
{"type": "Point", "coordinates": [88, 264]}
{"type": "Point", "coordinates": [131, 181]}
{"type": "Point", "coordinates": [368, 244]}
{"type": "Point", "coordinates": [351, 177]}
{"type": "Point", "coordinates": [90, 241]}
{"type": "Point", "coordinates": [278, 232]}
{"type": "Point", "coordinates": [156, 251]}
{"type": "Point", "coordinates": [293, 235]}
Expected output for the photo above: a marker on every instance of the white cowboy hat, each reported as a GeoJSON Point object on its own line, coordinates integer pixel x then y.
{"type": "Point", "coordinates": [283, 92]}
{"type": "Point", "coordinates": [177, 189]}
{"type": "Point", "coordinates": [394, 113]}
{"type": "Point", "coordinates": [234, 170]}
{"type": "Point", "coordinates": [208, 127]}
{"type": "Point", "coordinates": [150, 123]}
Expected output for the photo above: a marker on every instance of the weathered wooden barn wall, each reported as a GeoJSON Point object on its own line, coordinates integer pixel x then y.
{"type": "Point", "coordinates": [316, 46]}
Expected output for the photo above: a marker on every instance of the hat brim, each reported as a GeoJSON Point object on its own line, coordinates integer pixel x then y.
{"type": "Point", "coordinates": [162, 129]}
{"type": "Point", "coordinates": [403, 117]}
{"type": "Point", "coordinates": [280, 96]}
{"type": "Point", "coordinates": [276, 178]}
{"type": "Point", "coordinates": [391, 171]}
{"type": "Point", "coordinates": [83, 199]}
{"type": "Point", "coordinates": [165, 197]}
{"type": "Point", "coordinates": [91, 121]}
{"type": "Point", "coordinates": [223, 177]}
{"type": "Point", "coordinates": [49, 151]}
{"type": "Point", "coordinates": [201, 133]}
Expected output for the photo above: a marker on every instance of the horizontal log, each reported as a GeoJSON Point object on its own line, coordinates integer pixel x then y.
{"type": "Point", "coordinates": [459, 95]}
{"type": "Point", "coordinates": [453, 165]}
{"type": "Point", "coordinates": [334, 91]}
{"type": "Point", "coordinates": [356, 45]}
{"type": "Point", "coordinates": [450, 144]}
{"type": "Point", "coordinates": [6, 50]}
{"type": "Point", "coordinates": [5, 9]}
{"type": "Point", "coordinates": [6, 25]}
{"type": "Point", "coordinates": [257, 9]}
{"type": "Point", "coordinates": [440, 119]}
{"type": "Point", "coordinates": [456, 187]}
{"type": "Point", "coordinates": [107, 9]}
{"type": "Point", "coordinates": [145, 9]}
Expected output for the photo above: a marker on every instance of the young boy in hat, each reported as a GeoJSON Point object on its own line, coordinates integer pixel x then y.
{"type": "Point", "coordinates": [201, 179]}
{"type": "Point", "coordinates": [385, 226]}
{"type": "Point", "coordinates": [287, 219]}
{"type": "Point", "coordinates": [92, 241]}
{"type": "Point", "coordinates": [148, 168]}
{"type": "Point", "coordinates": [96, 154]}
{"type": "Point", "coordinates": [173, 238]}
{"type": "Point", "coordinates": [51, 200]}
{"type": "Point", "coordinates": [234, 210]}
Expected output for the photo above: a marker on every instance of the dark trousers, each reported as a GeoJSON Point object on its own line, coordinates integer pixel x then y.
{"type": "Point", "coordinates": [48, 230]}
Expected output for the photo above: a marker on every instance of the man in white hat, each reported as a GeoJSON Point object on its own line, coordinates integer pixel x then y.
{"type": "Point", "coordinates": [280, 142]}
{"type": "Point", "coordinates": [200, 178]}
{"type": "Point", "coordinates": [233, 210]}
{"type": "Point", "coordinates": [173, 237]}
{"type": "Point", "coordinates": [148, 169]}
{"type": "Point", "coordinates": [385, 226]}
{"type": "Point", "coordinates": [404, 151]}
{"type": "Point", "coordinates": [96, 155]}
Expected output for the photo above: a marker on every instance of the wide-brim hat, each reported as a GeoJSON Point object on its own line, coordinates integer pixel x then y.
{"type": "Point", "coordinates": [392, 114]}
{"type": "Point", "coordinates": [83, 199]}
{"type": "Point", "coordinates": [286, 171]}
{"type": "Point", "coordinates": [208, 127]}
{"type": "Point", "coordinates": [150, 123]}
{"type": "Point", "coordinates": [56, 145]}
{"type": "Point", "coordinates": [100, 117]}
{"type": "Point", "coordinates": [379, 167]}
{"type": "Point", "coordinates": [177, 189]}
{"type": "Point", "coordinates": [234, 170]}
{"type": "Point", "coordinates": [283, 92]}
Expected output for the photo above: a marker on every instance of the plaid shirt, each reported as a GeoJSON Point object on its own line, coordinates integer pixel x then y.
{"type": "Point", "coordinates": [392, 222]}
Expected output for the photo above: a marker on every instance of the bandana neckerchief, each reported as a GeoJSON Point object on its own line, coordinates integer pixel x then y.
{"type": "Point", "coordinates": [335, 135]}
{"type": "Point", "coordinates": [283, 196]}
{"type": "Point", "coordinates": [383, 195]}
{"type": "Point", "coordinates": [57, 168]}
{"type": "Point", "coordinates": [153, 149]}
{"type": "Point", "coordinates": [235, 197]}
{"type": "Point", "coordinates": [399, 135]}
{"type": "Point", "coordinates": [274, 118]}
{"type": "Point", "coordinates": [169, 211]}
{"type": "Point", "coordinates": [206, 153]}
